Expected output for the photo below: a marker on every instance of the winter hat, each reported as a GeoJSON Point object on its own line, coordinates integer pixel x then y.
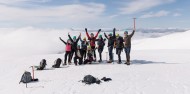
{"type": "Point", "coordinates": [117, 35]}
{"type": "Point", "coordinates": [100, 36]}
{"type": "Point", "coordinates": [110, 34]}
{"type": "Point", "coordinates": [74, 37]}
{"type": "Point", "coordinates": [126, 32]}
{"type": "Point", "coordinates": [84, 38]}
{"type": "Point", "coordinates": [92, 34]}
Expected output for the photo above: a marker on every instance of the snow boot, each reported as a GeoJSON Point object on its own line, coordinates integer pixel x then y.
{"type": "Point", "coordinates": [127, 63]}
{"type": "Point", "coordinates": [99, 60]}
{"type": "Point", "coordinates": [64, 64]}
{"type": "Point", "coordinates": [110, 61]}
{"type": "Point", "coordinates": [119, 62]}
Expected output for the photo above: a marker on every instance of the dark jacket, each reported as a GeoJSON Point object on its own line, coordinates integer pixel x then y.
{"type": "Point", "coordinates": [92, 40]}
{"type": "Point", "coordinates": [111, 39]}
{"type": "Point", "coordinates": [127, 39]}
{"type": "Point", "coordinates": [83, 44]}
{"type": "Point", "coordinates": [119, 43]}
{"type": "Point", "coordinates": [101, 43]}
{"type": "Point", "coordinates": [74, 43]}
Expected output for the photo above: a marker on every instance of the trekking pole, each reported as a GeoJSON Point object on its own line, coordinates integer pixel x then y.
{"type": "Point", "coordinates": [134, 24]}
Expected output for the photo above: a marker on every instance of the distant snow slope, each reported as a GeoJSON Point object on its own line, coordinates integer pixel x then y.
{"type": "Point", "coordinates": [173, 41]}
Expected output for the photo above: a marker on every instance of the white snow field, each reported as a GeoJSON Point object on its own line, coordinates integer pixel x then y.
{"type": "Point", "coordinates": [158, 66]}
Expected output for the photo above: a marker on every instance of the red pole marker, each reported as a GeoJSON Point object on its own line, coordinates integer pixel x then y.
{"type": "Point", "coordinates": [134, 24]}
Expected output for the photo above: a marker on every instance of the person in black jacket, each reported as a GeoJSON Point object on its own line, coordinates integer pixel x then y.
{"type": "Point", "coordinates": [111, 39]}
{"type": "Point", "coordinates": [74, 43]}
{"type": "Point", "coordinates": [119, 47]}
{"type": "Point", "coordinates": [84, 44]}
{"type": "Point", "coordinates": [101, 44]}
{"type": "Point", "coordinates": [78, 55]}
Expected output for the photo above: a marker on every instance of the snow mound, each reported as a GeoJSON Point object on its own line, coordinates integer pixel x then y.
{"type": "Point", "coordinates": [172, 41]}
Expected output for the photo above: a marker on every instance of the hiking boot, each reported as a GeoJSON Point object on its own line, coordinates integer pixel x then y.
{"type": "Point", "coordinates": [64, 64]}
{"type": "Point", "coordinates": [99, 60]}
{"type": "Point", "coordinates": [75, 63]}
{"type": "Point", "coordinates": [94, 60]}
{"type": "Point", "coordinates": [119, 62]}
{"type": "Point", "coordinates": [127, 63]}
{"type": "Point", "coordinates": [110, 61]}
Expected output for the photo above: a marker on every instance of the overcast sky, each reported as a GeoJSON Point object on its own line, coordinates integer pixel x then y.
{"type": "Point", "coordinates": [95, 13]}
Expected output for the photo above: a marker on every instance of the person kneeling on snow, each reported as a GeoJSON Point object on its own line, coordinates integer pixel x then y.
{"type": "Point", "coordinates": [89, 56]}
{"type": "Point", "coordinates": [78, 55]}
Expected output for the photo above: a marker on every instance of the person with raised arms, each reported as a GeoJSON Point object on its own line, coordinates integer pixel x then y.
{"type": "Point", "coordinates": [92, 40]}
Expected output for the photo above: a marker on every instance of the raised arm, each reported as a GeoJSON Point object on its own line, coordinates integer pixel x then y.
{"type": "Point", "coordinates": [97, 33]}
{"type": "Point", "coordinates": [87, 33]}
{"type": "Point", "coordinates": [105, 35]}
{"type": "Point", "coordinates": [62, 41]}
{"type": "Point", "coordinates": [79, 37]}
{"type": "Point", "coordinates": [114, 32]}
{"type": "Point", "coordinates": [70, 37]}
{"type": "Point", "coordinates": [132, 33]}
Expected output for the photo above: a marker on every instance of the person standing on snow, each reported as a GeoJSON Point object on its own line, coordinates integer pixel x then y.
{"type": "Point", "coordinates": [101, 44]}
{"type": "Point", "coordinates": [67, 51]}
{"type": "Point", "coordinates": [127, 45]}
{"type": "Point", "coordinates": [111, 40]}
{"type": "Point", "coordinates": [92, 40]}
{"type": "Point", "coordinates": [119, 47]}
{"type": "Point", "coordinates": [74, 43]}
{"type": "Point", "coordinates": [84, 44]}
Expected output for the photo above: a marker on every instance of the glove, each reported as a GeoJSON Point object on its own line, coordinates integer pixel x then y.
{"type": "Point", "coordinates": [114, 29]}
{"type": "Point", "coordinates": [86, 29]}
{"type": "Point", "coordinates": [99, 30]}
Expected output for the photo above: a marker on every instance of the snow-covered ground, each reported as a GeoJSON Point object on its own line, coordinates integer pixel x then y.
{"type": "Point", "coordinates": [159, 66]}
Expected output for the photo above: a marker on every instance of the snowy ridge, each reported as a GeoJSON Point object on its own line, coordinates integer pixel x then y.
{"type": "Point", "coordinates": [172, 41]}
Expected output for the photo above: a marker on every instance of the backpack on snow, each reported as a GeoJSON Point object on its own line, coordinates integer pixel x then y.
{"type": "Point", "coordinates": [26, 77]}
{"type": "Point", "coordinates": [57, 63]}
{"type": "Point", "coordinates": [42, 65]}
{"type": "Point", "coordinates": [89, 79]}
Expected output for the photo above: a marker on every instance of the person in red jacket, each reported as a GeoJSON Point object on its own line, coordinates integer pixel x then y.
{"type": "Point", "coordinates": [92, 40]}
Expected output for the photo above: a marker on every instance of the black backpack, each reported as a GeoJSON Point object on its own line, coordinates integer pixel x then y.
{"type": "Point", "coordinates": [42, 65]}
{"type": "Point", "coordinates": [89, 79]}
{"type": "Point", "coordinates": [26, 77]}
{"type": "Point", "coordinates": [57, 63]}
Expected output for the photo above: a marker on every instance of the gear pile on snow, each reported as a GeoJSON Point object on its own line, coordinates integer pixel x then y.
{"type": "Point", "coordinates": [42, 65]}
{"type": "Point", "coordinates": [89, 79]}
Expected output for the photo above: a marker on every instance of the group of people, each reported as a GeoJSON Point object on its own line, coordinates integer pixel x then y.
{"type": "Point", "coordinates": [86, 53]}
